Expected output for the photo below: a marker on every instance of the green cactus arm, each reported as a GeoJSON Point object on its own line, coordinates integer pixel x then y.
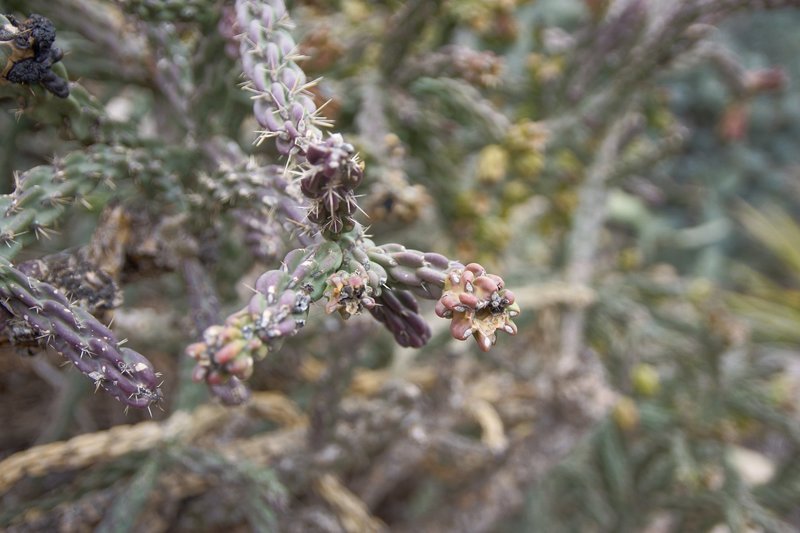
{"type": "Point", "coordinates": [43, 193]}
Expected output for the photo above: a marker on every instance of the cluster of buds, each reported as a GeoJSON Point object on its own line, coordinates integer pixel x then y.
{"type": "Point", "coordinates": [477, 304]}
{"type": "Point", "coordinates": [78, 336]}
{"type": "Point", "coordinates": [277, 310]}
{"type": "Point", "coordinates": [328, 180]}
{"type": "Point", "coordinates": [398, 310]}
{"type": "Point", "coordinates": [227, 351]}
{"type": "Point", "coordinates": [27, 54]}
{"type": "Point", "coordinates": [349, 293]}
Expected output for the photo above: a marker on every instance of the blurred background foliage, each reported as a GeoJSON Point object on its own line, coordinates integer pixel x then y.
{"type": "Point", "coordinates": [630, 167]}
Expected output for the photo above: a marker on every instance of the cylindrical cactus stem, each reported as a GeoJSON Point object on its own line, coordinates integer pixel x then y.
{"type": "Point", "coordinates": [477, 302]}
{"type": "Point", "coordinates": [329, 169]}
{"type": "Point", "coordinates": [423, 273]}
{"type": "Point", "coordinates": [277, 310]}
{"type": "Point", "coordinates": [283, 106]}
{"type": "Point", "coordinates": [399, 312]}
{"type": "Point", "coordinates": [42, 194]}
{"type": "Point", "coordinates": [77, 335]}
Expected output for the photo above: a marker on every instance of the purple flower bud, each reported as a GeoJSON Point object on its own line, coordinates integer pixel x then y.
{"type": "Point", "coordinates": [316, 153]}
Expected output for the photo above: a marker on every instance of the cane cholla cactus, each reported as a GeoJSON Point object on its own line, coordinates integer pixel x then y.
{"type": "Point", "coordinates": [348, 268]}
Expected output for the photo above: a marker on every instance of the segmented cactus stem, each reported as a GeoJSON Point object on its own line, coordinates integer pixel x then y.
{"type": "Point", "coordinates": [283, 107]}
{"type": "Point", "coordinates": [42, 194]}
{"type": "Point", "coordinates": [277, 310]}
{"type": "Point", "coordinates": [79, 337]}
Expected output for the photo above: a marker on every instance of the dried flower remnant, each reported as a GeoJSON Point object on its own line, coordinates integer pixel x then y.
{"type": "Point", "coordinates": [349, 293]}
{"type": "Point", "coordinates": [27, 54]}
{"type": "Point", "coordinates": [477, 304]}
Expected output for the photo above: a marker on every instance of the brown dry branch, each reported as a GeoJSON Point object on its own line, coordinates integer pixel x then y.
{"type": "Point", "coordinates": [92, 448]}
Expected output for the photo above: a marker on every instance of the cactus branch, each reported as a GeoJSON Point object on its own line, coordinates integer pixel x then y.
{"type": "Point", "coordinates": [79, 337]}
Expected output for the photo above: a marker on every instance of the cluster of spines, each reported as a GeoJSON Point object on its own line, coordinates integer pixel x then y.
{"type": "Point", "coordinates": [79, 337]}
{"type": "Point", "coordinates": [329, 178]}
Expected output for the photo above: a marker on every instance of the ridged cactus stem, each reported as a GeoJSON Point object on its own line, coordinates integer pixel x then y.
{"type": "Point", "coordinates": [79, 337]}
{"type": "Point", "coordinates": [277, 310]}
{"type": "Point", "coordinates": [329, 169]}
{"type": "Point", "coordinates": [283, 106]}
